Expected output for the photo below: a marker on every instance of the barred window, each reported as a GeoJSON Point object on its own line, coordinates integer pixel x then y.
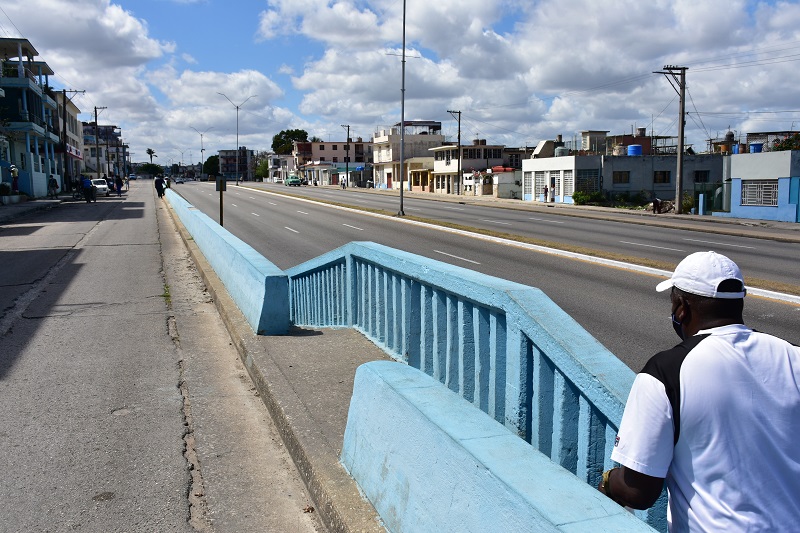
{"type": "Point", "coordinates": [621, 176]}
{"type": "Point", "coordinates": [588, 180]}
{"type": "Point", "coordinates": [701, 176]}
{"type": "Point", "coordinates": [569, 183]}
{"type": "Point", "coordinates": [539, 182]}
{"type": "Point", "coordinates": [661, 176]}
{"type": "Point", "coordinates": [760, 192]}
{"type": "Point", "coordinates": [527, 183]}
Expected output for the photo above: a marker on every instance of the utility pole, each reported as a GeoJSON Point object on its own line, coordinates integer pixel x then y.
{"type": "Point", "coordinates": [402, 213]}
{"type": "Point", "coordinates": [347, 153]}
{"type": "Point", "coordinates": [676, 76]}
{"type": "Point", "coordinates": [458, 118]}
{"type": "Point", "coordinates": [97, 139]}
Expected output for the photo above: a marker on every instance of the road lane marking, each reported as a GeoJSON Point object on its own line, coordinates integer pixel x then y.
{"type": "Point", "coordinates": [234, 205]}
{"type": "Point", "coordinates": [349, 226]}
{"type": "Point", "coordinates": [496, 222]}
{"type": "Point", "coordinates": [457, 257]}
{"type": "Point", "coordinates": [453, 208]}
{"type": "Point", "coordinates": [256, 214]}
{"type": "Point", "coordinates": [252, 197]}
{"type": "Point", "coordinates": [652, 246]}
{"type": "Point", "coordinates": [272, 203]}
{"type": "Point", "coordinates": [290, 229]}
{"type": "Point", "coordinates": [545, 220]}
{"type": "Point", "coordinates": [721, 244]}
{"type": "Point", "coordinates": [302, 212]}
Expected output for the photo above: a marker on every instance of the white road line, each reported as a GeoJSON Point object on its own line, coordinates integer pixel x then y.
{"type": "Point", "coordinates": [234, 205]}
{"type": "Point", "coordinates": [454, 208]}
{"type": "Point", "coordinates": [496, 222]}
{"type": "Point", "coordinates": [252, 197]}
{"type": "Point", "coordinates": [651, 246]}
{"type": "Point", "coordinates": [256, 214]}
{"type": "Point", "coordinates": [272, 203]}
{"type": "Point", "coordinates": [302, 212]}
{"type": "Point", "coordinates": [457, 257]}
{"type": "Point", "coordinates": [349, 226]}
{"type": "Point", "coordinates": [545, 220]}
{"type": "Point", "coordinates": [721, 244]}
{"type": "Point", "coordinates": [290, 229]}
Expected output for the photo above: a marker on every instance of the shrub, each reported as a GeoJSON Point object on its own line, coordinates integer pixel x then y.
{"type": "Point", "coordinates": [583, 198]}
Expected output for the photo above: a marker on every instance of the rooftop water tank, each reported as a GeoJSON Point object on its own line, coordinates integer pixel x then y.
{"type": "Point", "coordinates": [756, 147]}
{"type": "Point", "coordinates": [634, 149]}
{"type": "Point", "coordinates": [562, 151]}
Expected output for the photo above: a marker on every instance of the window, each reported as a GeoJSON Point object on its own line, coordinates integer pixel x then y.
{"type": "Point", "coordinates": [334, 147]}
{"type": "Point", "coordinates": [335, 159]}
{"type": "Point", "coordinates": [322, 159]}
{"type": "Point", "coordinates": [661, 176]}
{"type": "Point", "coordinates": [538, 182]}
{"type": "Point", "coordinates": [620, 177]}
{"type": "Point", "coordinates": [701, 176]}
{"type": "Point", "coordinates": [568, 183]}
{"type": "Point", "coordinates": [588, 180]}
{"type": "Point", "coordinates": [760, 192]}
{"type": "Point", "coordinates": [321, 146]}
{"type": "Point", "coordinates": [527, 184]}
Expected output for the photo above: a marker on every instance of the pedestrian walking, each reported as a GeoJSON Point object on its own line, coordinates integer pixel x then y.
{"type": "Point", "coordinates": [160, 186]}
{"type": "Point", "coordinates": [88, 189]}
{"type": "Point", "coordinates": [118, 184]}
{"type": "Point", "coordinates": [717, 416]}
{"type": "Point", "coordinates": [546, 191]}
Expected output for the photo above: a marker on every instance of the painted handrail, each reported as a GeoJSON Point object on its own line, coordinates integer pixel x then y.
{"type": "Point", "coordinates": [505, 347]}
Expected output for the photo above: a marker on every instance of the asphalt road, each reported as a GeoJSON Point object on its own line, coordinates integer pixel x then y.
{"type": "Point", "coordinates": [619, 307]}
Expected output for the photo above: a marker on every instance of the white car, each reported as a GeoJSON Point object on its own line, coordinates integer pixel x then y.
{"type": "Point", "coordinates": [101, 187]}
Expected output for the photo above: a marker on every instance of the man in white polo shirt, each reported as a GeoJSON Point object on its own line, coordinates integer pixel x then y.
{"type": "Point", "coordinates": [717, 416]}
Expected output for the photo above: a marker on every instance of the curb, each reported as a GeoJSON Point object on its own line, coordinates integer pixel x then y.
{"type": "Point", "coordinates": [336, 494]}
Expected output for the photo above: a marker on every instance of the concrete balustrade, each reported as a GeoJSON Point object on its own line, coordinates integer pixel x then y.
{"type": "Point", "coordinates": [259, 288]}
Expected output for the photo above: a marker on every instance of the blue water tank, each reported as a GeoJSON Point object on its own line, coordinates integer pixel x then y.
{"type": "Point", "coordinates": [635, 149]}
{"type": "Point", "coordinates": [735, 148]}
{"type": "Point", "coordinates": [756, 147]}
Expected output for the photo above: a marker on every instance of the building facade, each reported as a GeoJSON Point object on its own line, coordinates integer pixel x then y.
{"type": "Point", "coordinates": [418, 138]}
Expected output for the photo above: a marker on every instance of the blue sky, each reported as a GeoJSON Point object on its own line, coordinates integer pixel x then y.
{"type": "Point", "coordinates": [519, 70]}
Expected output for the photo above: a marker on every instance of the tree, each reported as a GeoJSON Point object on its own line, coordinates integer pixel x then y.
{"type": "Point", "coordinates": [789, 143]}
{"type": "Point", "coordinates": [211, 166]}
{"type": "Point", "coordinates": [149, 169]}
{"type": "Point", "coordinates": [263, 168]}
{"type": "Point", "coordinates": [282, 142]}
{"type": "Point", "coordinates": [151, 153]}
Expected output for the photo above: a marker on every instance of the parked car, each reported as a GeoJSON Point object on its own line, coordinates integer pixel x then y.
{"type": "Point", "coordinates": [101, 187]}
{"type": "Point", "coordinates": [179, 180]}
{"type": "Point", "coordinates": [132, 177]}
{"type": "Point", "coordinates": [293, 181]}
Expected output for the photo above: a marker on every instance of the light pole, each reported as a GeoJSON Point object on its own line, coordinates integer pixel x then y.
{"type": "Point", "coordinates": [347, 154]}
{"type": "Point", "coordinates": [202, 161]}
{"type": "Point", "coordinates": [237, 129]}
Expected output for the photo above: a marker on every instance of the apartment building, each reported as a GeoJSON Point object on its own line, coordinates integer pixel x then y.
{"type": "Point", "coordinates": [419, 136]}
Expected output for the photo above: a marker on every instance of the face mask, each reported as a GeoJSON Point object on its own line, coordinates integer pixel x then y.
{"type": "Point", "coordinates": [676, 325]}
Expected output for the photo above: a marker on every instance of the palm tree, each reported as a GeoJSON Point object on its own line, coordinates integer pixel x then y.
{"type": "Point", "coordinates": [151, 153]}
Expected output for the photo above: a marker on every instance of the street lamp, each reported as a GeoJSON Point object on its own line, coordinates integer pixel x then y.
{"type": "Point", "coordinates": [237, 129]}
{"type": "Point", "coordinates": [202, 160]}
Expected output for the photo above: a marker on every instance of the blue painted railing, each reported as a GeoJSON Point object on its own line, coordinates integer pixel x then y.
{"type": "Point", "coordinates": [503, 346]}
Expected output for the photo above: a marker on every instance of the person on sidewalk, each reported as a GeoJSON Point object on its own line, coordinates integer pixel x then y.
{"type": "Point", "coordinates": [52, 187]}
{"type": "Point", "coordinates": [118, 184]}
{"type": "Point", "coordinates": [88, 189]}
{"type": "Point", "coordinates": [717, 416]}
{"type": "Point", "coordinates": [159, 186]}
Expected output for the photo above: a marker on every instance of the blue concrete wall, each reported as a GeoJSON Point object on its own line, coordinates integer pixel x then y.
{"type": "Point", "coordinates": [259, 288]}
{"type": "Point", "coordinates": [429, 461]}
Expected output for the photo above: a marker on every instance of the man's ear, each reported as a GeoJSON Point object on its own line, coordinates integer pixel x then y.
{"type": "Point", "coordinates": [683, 313]}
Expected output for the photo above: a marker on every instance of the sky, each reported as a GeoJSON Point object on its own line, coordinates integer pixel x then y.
{"type": "Point", "coordinates": [520, 71]}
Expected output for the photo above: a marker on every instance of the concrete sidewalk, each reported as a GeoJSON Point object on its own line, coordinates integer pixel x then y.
{"type": "Point", "coordinates": [305, 379]}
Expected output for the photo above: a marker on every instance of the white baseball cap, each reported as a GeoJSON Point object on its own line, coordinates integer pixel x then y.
{"type": "Point", "coordinates": [702, 272]}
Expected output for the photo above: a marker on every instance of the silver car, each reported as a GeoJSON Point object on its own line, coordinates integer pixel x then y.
{"type": "Point", "coordinates": [101, 187]}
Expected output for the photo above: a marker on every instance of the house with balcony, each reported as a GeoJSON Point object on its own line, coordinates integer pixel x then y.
{"type": "Point", "coordinates": [237, 165]}
{"type": "Point", "coordinates": [418, 136]}
{"type": "Point", "coordinates": [70, 163]}
{"type": "Point", "coordinates": [325, 162]}
{"type": "Point", "coordinates": [453, 165]}
{"type": "Point", "coordinates": [104, 153]}
{"type": "Point", "coordinates": [28, 111]}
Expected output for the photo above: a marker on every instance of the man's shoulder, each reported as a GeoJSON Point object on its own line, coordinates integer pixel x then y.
{"type": "Point", "coordinates": [668, 362]}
